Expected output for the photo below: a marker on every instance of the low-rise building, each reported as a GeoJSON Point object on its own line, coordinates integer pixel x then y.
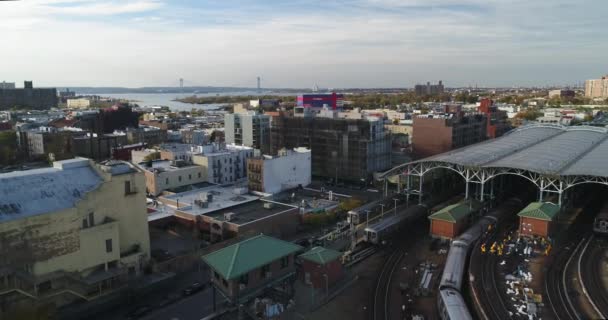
{"type": "Point", "coordinates": [246, 269]}
{"type": "Point", "coordinates": [536, 219]}
{"type": "Point", "coordinates": [76, 231]}
{"type": "Point", "coordinates": [149, 135]}
{"type": "Point", "coordinates": [223, 164]}
{"type": "Point", "coordinates": [163, 175]}
{"type": "Point", "coordinates": [321, 267]}
{"type": "Point", "coordinates": [78, 103]}
{"type": "Point", "coordinates": [290, 169]}
{"type": "Point", "coordinates": [451, 221]}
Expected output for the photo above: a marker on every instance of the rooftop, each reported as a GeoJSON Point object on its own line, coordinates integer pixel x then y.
{"type": "Point", "coordinates": [165, 165]}
{"type": "Point", "coordinates": [39, 191]}
{"type": "Point", "coordinates": [222, 198]}
{"type": "Point", "coordinates": [540, 148]}
{"type": "Point", "coordinates": [454, 212]}
{"type": "Point", "coordinates": [240, 258]}
{"type": "Point", "coordinates": [540, 210]}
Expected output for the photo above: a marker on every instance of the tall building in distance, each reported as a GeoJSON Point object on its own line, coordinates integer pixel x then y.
{"type": "Point", "coordinates": [597, 88]}
{"type": "Point", "coordinates": [249, 129]}
{"type": "Point", "coordinates": [7, 85]}
{"type": "Point", "coordinates": [497, 120]}
{"type": "Point", "coordinates": [429, 89]}
{"type": "Point", "coordinates": [27, 97]}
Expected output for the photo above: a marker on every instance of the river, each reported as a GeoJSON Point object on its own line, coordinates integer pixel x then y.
{"type": "Point", "coordinates": [167, 99]}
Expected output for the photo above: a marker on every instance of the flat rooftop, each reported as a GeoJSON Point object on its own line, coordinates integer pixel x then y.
{"type": "Point", "coordinates": [223, 197]}
{"type": "Point", "coordinates": [250, 211]}
{"type": "Point", "coordinates": [164, 165]}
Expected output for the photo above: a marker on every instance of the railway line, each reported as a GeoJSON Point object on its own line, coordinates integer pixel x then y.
{"type": "Point", "coordinates": [383, 286]}
{"type": "Point", "coordinates": [589, 274]}
{"type": "Point", "coordinates": [491, 300]}
{"type": "Point", "coordinates": [556, 284]}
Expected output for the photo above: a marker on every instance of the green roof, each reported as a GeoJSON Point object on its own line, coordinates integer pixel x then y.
{"type": "Point", "coordinates": [240, 258]}
{"type": "Point", "coordinates": [320, 255]}
{"type": "Point", "coordinates": [454, 212]}
{"type": "Point", "coordinates": [540, 210]}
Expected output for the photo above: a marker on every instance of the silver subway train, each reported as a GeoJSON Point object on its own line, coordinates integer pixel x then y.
{"type": "Point", "coordinates": [450, 302]}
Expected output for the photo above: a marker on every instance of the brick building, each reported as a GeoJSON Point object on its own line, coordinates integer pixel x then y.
{"type": "Point", "coordinates": [452, 220]}
{"type": "Point", "coordinates": [537, 219]}
{"type": "Point", "coordinates": [438, 133]}
{"type": "Point", "coordinates": [497, 120]}
{"type": "Point", "coordinates": [246, 269]}
{"type": "Point", "coordinates": [321, 267]}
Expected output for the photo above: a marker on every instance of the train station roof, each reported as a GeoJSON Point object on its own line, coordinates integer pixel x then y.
{"type": "Point", "coordinates": [320, 255]}
{"type": "Point", "coordinates": [540, 148]}
{"type": "Point", "coordinates": [453, 213]}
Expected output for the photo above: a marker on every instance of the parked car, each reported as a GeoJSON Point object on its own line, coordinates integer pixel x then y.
{"type": "Point", "coordinates": [193, 288]}
{"type": "Point", "coordinates": [139, 312]}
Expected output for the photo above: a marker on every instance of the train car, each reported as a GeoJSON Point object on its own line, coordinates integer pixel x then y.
{"type": "Point", "coordinates": [450, 302]}
{"type": "Point", "coordinates": [451, 306]}
{"type": "Point", "coordinates": [600, 223]}
{"type": "Point", "coordinates": [382, 229]}
{"type": "Point", "coordinates": [359, 215]}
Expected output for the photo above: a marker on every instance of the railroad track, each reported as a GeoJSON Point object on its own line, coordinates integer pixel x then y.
{"type": "Point", "coordinates": [556, 285]}
{"type": "Point", "coordinates": [383, 286]}
{"type": "Point", "coordinates": [491, 300]}
{"type": "Point", "coordinates": [589, 274]}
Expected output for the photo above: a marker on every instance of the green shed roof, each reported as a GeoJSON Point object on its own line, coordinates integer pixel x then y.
{"type": "Point", "coordinates": [240, 258]}
{"type": "Point", "coordinates": [320, 255]}
{"type": "Point", "coordinates": [454, 212]}
{"type": "Point", "coordinates": [540, 210]}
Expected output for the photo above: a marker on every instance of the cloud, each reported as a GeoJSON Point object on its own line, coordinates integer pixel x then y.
{"type": "Point", "coordinates": [349, 43]}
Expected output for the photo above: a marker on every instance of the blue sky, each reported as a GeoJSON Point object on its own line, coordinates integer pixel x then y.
{"type": "Point", "coordinates": [342, 43]}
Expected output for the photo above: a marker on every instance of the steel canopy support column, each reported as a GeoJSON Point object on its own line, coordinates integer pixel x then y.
{"type": "Point", "coordinates": [407, 191]}
{"type": "Point", "coordinates": [481, 194]}
{"type": "Point", "coordinates": [491, 191]}
{"type": "Point", "coordinates": [420, 189]}
{"type": "Point", "coordinates": [385, 187]}
{"type": "Point", "coordinates": [542, 189]}
{"type": "Point", "coordinates": [466, 189]}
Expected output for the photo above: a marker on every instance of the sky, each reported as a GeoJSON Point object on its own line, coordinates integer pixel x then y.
{"type": "Point", "coordinates": [334, 44]}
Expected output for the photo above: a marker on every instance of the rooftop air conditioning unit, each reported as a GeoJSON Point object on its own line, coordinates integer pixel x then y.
{"type": "Point", "coordinates": [228, 216]}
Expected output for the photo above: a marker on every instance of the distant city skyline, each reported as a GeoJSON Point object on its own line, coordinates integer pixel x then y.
{"type": "Point", "coordinates": [296, 44]}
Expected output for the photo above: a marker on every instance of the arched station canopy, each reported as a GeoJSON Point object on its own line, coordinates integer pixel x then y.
{"type": "Point", "coordinates": [553, 157]}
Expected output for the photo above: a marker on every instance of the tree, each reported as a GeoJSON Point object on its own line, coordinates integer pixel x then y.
{"type": "Point", "coordinates": [152, 156]}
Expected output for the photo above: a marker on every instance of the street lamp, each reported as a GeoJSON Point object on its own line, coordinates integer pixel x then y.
{"type": "Point", "coordinates": [326, 285]}
{"type": "Point", "coordinates": [395, 199]}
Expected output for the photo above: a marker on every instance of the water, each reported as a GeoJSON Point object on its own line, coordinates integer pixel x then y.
{"type": "Point", "coordinates": [166, 99]}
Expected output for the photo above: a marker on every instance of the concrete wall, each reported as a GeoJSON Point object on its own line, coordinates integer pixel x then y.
{"type": "Point", "coordinates": [287, 172]}
{"type": "Point", "coordinates": [157, 182]}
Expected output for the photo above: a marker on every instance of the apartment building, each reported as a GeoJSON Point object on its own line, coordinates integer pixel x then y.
{"type": "Point", "coordinates": [223, 164]}
{"type": "Point", "coordinates": [597, 88]}
{"type": "Point", "coordinates": [249, 129]}
{"type": "Point", "coordinates": [76, 231]}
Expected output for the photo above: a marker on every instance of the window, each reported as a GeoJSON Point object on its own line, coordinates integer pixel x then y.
{"type": "Point", "coordinates": [189, 177]}
{"type": "Point", "coordinates": [244, 279]}
{"type": "Point", "coordinates": [225, 283]}
{"type": "Point", "coordinates": [85, 223]}
{"type": "Point", "coordinates": [91, 219]}
{"type": "Point", "coordinates": [109, 245]}
{"type": "Point", "coordinates": [179, 178]}
{"type": "Point", "coordinates": [167, 181]}
{"type": "Point", "coordinates": [284, 262]}
{"type": "Point", "coordinates": [216, 275]}
{"type": "Point", "coordinates": [264, 271]}
{"type": "Point", "coordinates": [127, 187]}
{"type": "Point", "coordinates": [199, 175]}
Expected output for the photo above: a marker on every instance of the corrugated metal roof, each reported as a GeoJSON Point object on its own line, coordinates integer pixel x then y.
{"type": "Point", "coordinates": [240, 258]}
{"type": "Point", "coordinates": [321, 255]}
{"type": "Point", "coordinates": [540, 148]}
{"type": "Point", "coordinates": [540, 210]}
